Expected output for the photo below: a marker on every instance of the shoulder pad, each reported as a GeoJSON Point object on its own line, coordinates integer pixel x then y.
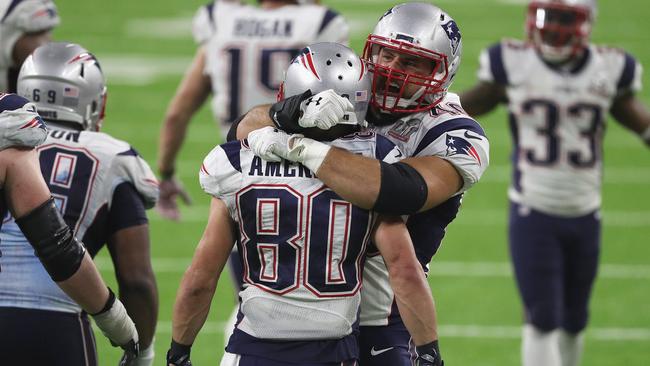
{"type": "Point", "coordinates": [203, 24]}
{"type": "Point", "coordinates": [31, 16]}
{"type": "Point", "coordinates": [220, 174]}
{"type": "Point", "coordinates": [20, 125]}
{"type": "Point", "coordinates": [128, 166]}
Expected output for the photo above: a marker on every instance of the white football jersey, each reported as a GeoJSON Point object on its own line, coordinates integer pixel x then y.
{"type": "Point", "coordinates": [446, 132]}
{"type": "Point", "coordinates": [558, 122]}
{"type": "Point", "coordinates": [18, 17]}
{"type": "Point", "coordinates": [83, 170]}
{"type": "Point", "coordinates": [248, 49]}
{"type": "Point", "coordinates": [302, 246]}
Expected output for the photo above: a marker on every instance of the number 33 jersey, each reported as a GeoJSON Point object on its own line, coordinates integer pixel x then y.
{"type": "Point", "coordinates": [101, 185]}
{"type": "Point", "coordinates": [248, 48]}
{"type": "Point", "coordinates": [557, 121]}
{"type": "Point", "coordinates": [302, 246]}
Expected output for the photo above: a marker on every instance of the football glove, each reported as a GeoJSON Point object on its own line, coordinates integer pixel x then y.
{"type": "Point", "coordinates": [324, 110]}
{"type": "Point", "coordinates": [269, 143]}
{"type": "Point", "coordinates": [428, 355]}
{"type": "Point", "coordinates": [144, 358]}
{"type": "Point", "coordinates": [179, 355]}
{"type": "Point", "coordinates": [285, 113]}
{"type": "Point", "coordinates": [116, 325]}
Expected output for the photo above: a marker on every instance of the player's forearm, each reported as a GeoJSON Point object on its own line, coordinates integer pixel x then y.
{"type": "Point", "coordinates": [415, 305]}
{"type": "Point", "coordinates": [355, 178]}
{"type": "Point", "coordinates": [482, 98]}
{"type": "Point", "coordinates": [256, 118]}
{"type": "Point", "coordinates": [86, 287]}
{"type": "Point", "coordinates": [190, 96]}
{"type": "Point", "coordinates": [192, 305]}
{"type": "Point", "coordinates": [407, 279]}
{"type": "Point", "coordinates": [140, 298]}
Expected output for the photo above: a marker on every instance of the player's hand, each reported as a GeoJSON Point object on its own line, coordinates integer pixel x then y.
{"type": "Point", "coordinates": [269, 143]}
{"type": "Point", "coordinates": [429, 355]}
{"type": "Point", "coordinates": [170, 189]}
{"type": "Point", "coordinates": [117, 326]}
{"type": "Point", "coordinates": [179, 355]}
{"type": "Point", "coordinates": [324, 110]}
{"type": "Point", "coordinates": [144, 358]}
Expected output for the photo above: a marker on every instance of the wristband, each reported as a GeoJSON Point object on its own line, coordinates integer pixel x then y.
{"type": "Point", "coordinates": [310, 153]}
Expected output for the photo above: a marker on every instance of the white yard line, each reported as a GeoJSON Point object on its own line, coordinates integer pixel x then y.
{"type": "Point", "coordinates": [437, 268]}
{"type": "Point", "coordinates": [475, 331]}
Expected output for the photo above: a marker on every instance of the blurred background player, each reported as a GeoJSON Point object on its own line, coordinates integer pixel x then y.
{"type": "Point", "coordinates": [558, 88]}
{"type": "Point", "coordinates": [414, 53]}
{"type": "Point", "coordinates": [24, 25]}
{"type": "Point", "coordinates": [242, 53]}
{"type": "Point", "coordinates": [302, 314]}
{"type": "Point", "coordinates": [102, 187]}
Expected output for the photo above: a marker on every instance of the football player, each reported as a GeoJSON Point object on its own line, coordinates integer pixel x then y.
{"type": "Point", "coordinates": [558, 88]}
{"type": "Point", "coordinates": [302, 246]}
{"type": "Point", "coordinates": [24, 25]}
{"type": "Point", "coordinates": [414, 53]}
{"type": "Point", "coordinates": [243, 50]}
{"type": "Point", "coordinates": [102, 187]}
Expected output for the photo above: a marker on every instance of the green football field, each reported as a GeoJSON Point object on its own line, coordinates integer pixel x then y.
{"type": "Point", "coordinates": [144, 47]}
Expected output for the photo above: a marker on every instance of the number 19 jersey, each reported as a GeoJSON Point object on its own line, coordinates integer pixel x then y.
{"type": "Point", "coordinates": [557, 121]}
{"type": "Point", "coordinates": [248, 48]}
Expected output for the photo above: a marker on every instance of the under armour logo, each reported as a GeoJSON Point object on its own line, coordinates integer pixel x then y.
{"type": "Point", "coordinates": [317, 101]}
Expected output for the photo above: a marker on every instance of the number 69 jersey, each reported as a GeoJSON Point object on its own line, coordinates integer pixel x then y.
{"type": "Point", "coordinates": [97, 182]}
{"type": "Point", "coordinates": [248, 48]}
{"type": "Point", "coordinates": [558, 122]}
{"type": "Point", "coordinates": [302, 246]}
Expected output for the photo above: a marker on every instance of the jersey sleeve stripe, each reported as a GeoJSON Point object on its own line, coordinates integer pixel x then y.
{"type": "Point", "coordinates": [627, 76]}
{"type": "Point", "coordinates": [210, 9]}
{"type": "Point", "coordinates": [496, 64]}
{"type": "Point", "coordinates": [329, 16]}
{"type": "Point", "coordinates": [232, 150]}
{"type": "Point", "coordinates": [10, 102]}
{"type": "Point", "coordinates": [450, 125]}
{"type": "Point", "coordinates": [384, 147]}
{"type": "Point", "coordinates": [130, 152]}
{"type": "Point", "coordinates": [11, 7]}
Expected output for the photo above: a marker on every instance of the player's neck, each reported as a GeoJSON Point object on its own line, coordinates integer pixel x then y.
{"type": "Point", "coordinates": [269, 5]}
{"type": "Point", "coordinates": [572, 65]}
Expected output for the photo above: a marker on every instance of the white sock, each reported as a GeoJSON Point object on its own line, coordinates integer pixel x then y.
{"type": "Point", "coordinates": [229, 327]}
{"type": "Point", "coordinates": [571, 346]}
{"type": "Point", "coordinates": [539, 348]}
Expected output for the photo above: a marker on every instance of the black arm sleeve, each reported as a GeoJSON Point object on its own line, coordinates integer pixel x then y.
{"type": "Point", "coordinates": [286, 112]}
{"type": "Point", "coordinates": [232, 132]}
{"type": "Point", "coordinates": [402, 190]}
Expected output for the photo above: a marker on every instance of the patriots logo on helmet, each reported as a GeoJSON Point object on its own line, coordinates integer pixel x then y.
{"type": "Point", "coordinates": [451, 28]}
{"type": "Point", "coordinates": [458, 145]}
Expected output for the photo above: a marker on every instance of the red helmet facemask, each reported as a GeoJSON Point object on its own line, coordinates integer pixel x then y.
{"type": "Point", "coordinates": [389, 84]}
{"type": "Point", "coordinates": [558, 31]}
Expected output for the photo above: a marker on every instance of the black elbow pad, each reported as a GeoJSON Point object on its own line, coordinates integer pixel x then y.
{"type": "Point", "coordinates": [53, 241]}
{"type": "Point", "coordinates": [286, 112]}
{"type": "Point", "coordinates": [403, 190]}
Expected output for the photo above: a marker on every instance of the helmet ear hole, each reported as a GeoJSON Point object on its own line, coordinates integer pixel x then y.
{"type": "Point", "coordinates": [340, 77]}
{"type": "Point", "coordinates": [329, 62]}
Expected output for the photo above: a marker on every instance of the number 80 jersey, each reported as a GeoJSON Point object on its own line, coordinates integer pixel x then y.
{"type": "Point", "coordinates": [557, 121]}
{"type": "Point", "coordinates": [302, 246]}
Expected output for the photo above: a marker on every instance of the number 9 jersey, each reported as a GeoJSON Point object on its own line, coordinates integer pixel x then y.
{"type": "Point", "coordinates": [248, 48]}
{"type": "Point", "coordinates": [557, 121]}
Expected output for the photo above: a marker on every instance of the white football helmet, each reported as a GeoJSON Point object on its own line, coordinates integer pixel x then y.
{"type": "Point", "coordinates": [413, 29]}
{"type": "Point", "coordinates": [330, 65]}
{"type": "Point", "coordinates": [66, 83]}
{"type": "Point", "coordinates": [560, 29]}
